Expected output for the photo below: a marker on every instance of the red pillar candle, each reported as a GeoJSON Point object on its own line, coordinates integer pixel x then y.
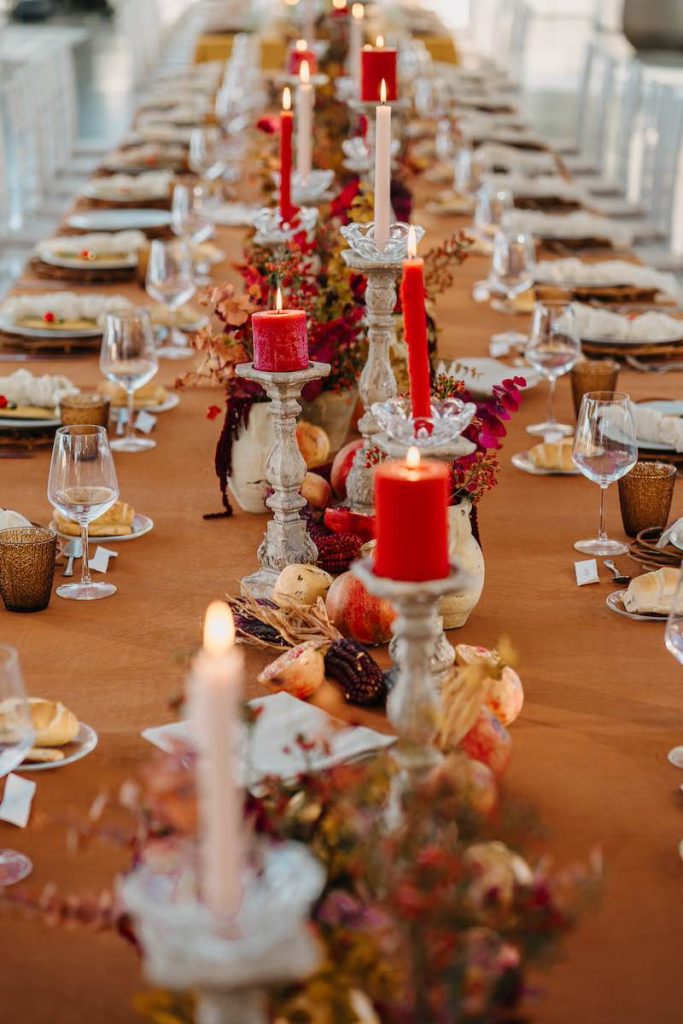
{"type": "Point", "coordinates": [280, 339]}
{"type": "Point", "coordinates": [377, 63]}
{"type": "Point", "coordinates": [411, 510]}
{"type": "Point", "coordinates": [299, 53]}
{"type": "Point", "coordinates": [286, 127]}
{"type": "Point", "coordinates": [415, 331]}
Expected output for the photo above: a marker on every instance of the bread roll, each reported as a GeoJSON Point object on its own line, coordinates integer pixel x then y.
{"type": "Point", "coordinates": [53, 723]}
{"type": "Point", "coordinates": [652, 592]}
{"type": "Point", "coordinates": [553, 455]}
{"type": "Point", "coordinates": [151, 393]}
{"type": "Point", "coordinates": [44, 755]}
{"type": "Point", "coordinates": [115, 522]}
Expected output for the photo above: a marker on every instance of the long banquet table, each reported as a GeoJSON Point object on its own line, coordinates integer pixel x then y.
{"type": "Point", "coordinates": [603, 698]}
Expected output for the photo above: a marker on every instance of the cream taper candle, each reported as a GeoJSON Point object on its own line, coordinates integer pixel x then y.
{"type": "Point", "coordinates": [356, 41]}
{"type": "Point", "coordinates": [216, 691]}
{"type": "Point", "coordinates": [382, 169]}
{"type": "Point", "coordinates": [304, 129]}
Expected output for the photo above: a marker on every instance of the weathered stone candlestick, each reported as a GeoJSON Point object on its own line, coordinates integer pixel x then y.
{"type": "Point", "coordinates": [286, 540]}
{"type": "Point", "coordinates": [377, 382]}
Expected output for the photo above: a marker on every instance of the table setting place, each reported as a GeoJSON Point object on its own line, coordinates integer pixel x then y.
{"type": "Point", "coordinates": [360, 716]}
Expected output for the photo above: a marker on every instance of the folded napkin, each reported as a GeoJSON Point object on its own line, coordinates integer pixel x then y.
{"type": "Point", "coordinates": [64, 305]}
{"type": "Point", "coordinates": [652, 592]}
{"type": "Point", "coordinates": [184, 112]}
{"type": "Point", "coordinates": [22, 388]}
{"type": "Point", "coordinates": [574, 272]}
{"type": "Point", "coordinates": [233, 215]}
{"type": "Point", "coordinates": [159, 131]}
{"type": "Point", "coordinates": [147, 153]}
{"type": "Point", "coordinates": [545, 186]}
{"type": "Point", "coordinates": [149, 183]}
{"type": "Point", "coordinates": [495, 154]}
{"type": "Point", "coordinates": [98, 243]}
{"type": "Point", "coordinates": [9, 519]}
{"type": "Point", "coordinates": [568, 225]}
{"type": "Point", "coordinates": [657, 427]}
{"type": "Point", "coordinates": [272, 748]}
{"type": "Point", "coordinates": [602, 324]}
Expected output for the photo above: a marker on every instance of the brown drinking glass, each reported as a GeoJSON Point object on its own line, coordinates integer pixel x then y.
{"type": "Point", "coordinates": [645, 496]}
{"type": "Point", "coordinates": [76, 409]}
{"type": "Point", "coordinates": [593, 375]}
{"type": "Point", "coordinates": [27, 567]}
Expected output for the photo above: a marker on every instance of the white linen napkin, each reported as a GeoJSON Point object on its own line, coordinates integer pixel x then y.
{"type": "Point", "coordinates": [65, 306]}
{"type": "Point", "coordinates": [22, 388]}
{"type": "Point", "coordinates": [601, 324]}
{"type": "Point", "coordinates": [574, 272]}
{"type": "Point", "coordinates": [543, 187]}
{"type": "Point", "coordinates": [99, 242]}
{"type": "Point", "coordinates": [233, 215]}
{"type": "Point", "coordinates": [652, 425]}
{"type": "Point", "coordinates": [10, 520]}
{"type": "Point", "coordinates": [495, 154]}
{"type": "Point", "coordinates": [16, 800]}
{"type": "Point", "coordinates": [272, 747]}
{"type": "Point", "coordinates": [568, 225]}
{"type": "Point", "coordinates": [149, 183]}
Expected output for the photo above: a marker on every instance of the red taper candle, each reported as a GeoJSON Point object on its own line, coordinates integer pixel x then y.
{"type": "Point", "coordinates": [286, 128]}
{"type": "Point", "coordinates": [280, 339]}
{"type": "Point", "coordinates": [377, 63]}
{"type": "Point", "coordinates": [411, 516]}
{"type": "Point", "coordinates": [300, 53]}
{"type": "Point", "coordinates": [415, 331]}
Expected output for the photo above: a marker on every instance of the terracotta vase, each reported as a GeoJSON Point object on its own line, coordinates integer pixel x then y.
{"type": "Point", "coordinates": [250, 453]}
{"type": "Point", "coordinates": [464, 547]}
{"type": "Point", "coordinates": [332, 411]}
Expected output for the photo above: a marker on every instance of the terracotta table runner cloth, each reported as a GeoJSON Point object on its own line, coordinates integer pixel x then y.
{"type": "Point", "coordinates": [603, 698]}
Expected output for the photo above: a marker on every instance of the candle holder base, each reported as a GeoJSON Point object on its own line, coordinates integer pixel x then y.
{"type": "Point", "coordinates": [271, 231]}
{"type": "Point", "coordinates": [286, 541]}
{"type": "Point", "coordinates": [314, 190]}
{"type": "Point", "coordinates": [260, 584]}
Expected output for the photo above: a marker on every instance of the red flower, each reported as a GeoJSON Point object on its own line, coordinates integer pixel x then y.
{"type": "Point", "coordinates": [85, 254]}
{"type": "Point", "coordinates": [3, 402]}
{"type": "Point", "coordinates": [268, 125]}
{"type": "Point", "coordinates": [212, 412]}
{"type": "Point", "coordinates": [341, 204]}
{"type": "Point", "coordinates": [49, 318]}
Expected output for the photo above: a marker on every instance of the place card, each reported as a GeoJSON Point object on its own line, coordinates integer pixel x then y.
{"type": "Point", "coordinates": [586, 572]}
{"type": "Point", "coordinates": [100, 560]}
{"type": "Point", "coordinates": [16, 801]}
{"type": "Point", "coordinates": [145, 422]}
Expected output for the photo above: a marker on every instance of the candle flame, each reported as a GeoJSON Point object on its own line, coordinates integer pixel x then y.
{"type": "Point", "coordinates": [413, 458]}
{"type": "Point", "coordinates": [411, 244]}
{"type": "Point", "coordinates": [339, 5]}
{"type": "Point", "coordinates": [301, 45]}
{"type": "Point", "coordinates": [305, 72]}
{"type": "Point", "coordinates": [379, 42]}
{"type": "Point", "coordinates": [383, 92]}
{"type": "Point", "coordinates": [219, 628]}
{"type": "Point", "coordinates": [358, 12]}
{"type": "Point", "coordinates": [278, 300]}
{"type": "Point", "coordinates": [286, 98]}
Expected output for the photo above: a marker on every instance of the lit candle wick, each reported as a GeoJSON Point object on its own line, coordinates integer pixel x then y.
{"type": "Point", "coordinates": [379, 42]}
{"type": "Point", "coordinates": [301, 45]}
{"type": "Point", "coordinates": [278, 300]}
{"type": "Point", "coordinates": [413, 458]}
{"type": "Point", "coordinates": [411, 244]}
{"type": "Point", "coordinates": [286, 98]}
{"type": "Point", "coordinates": [305, 73]}
{"type": "Point", "coordinates": [219, 628]}
{"type": "Point", "coordinates": [383, 92]}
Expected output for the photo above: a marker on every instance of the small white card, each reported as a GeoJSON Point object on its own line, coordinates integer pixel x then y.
{"type": "Point", "coordinates": [145, 422]}
{"type": "Point", "coordinates": [586, 572]}
{"type": "Point", "coordinates": [16, 801]}
{"type": "Point", "coordinates": [499, 346]}
{"type": "Point", "coordinates": [100, 560]}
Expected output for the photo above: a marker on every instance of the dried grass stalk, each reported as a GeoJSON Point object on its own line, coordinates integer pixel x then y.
{"type": "Point", "coordinates": [294, 623]}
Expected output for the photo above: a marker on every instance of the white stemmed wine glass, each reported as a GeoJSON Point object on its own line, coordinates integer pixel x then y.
{"type": "Point", "coordinates": [82, 486]}
{"type": "Point", "coordinates": [673, 638]}
{"type": "Point", "coordinates": [491, 205]}
{"type": "Point", "coordinates": [552, 349]}
{"type": "Point", "coordinates": [170, 281]}
{"type": "Point", "coordinates": [189, 216]}
{"type": "Point", "coordinates": [605, 449]}
{"type": "Point", "coordinates": [16, 739]}
{"type": "Point", "coordinates": [204, 155]}
{"type": "Point", "coordinates": [129, 358]}
{"type": "Point", "coordinates": [513, 268]}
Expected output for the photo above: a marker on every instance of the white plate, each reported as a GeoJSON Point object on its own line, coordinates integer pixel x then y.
{"type": "Point", "coordinates": [84, 744]}
{"type": "Point", "coordinates": [119, 220]}
{"type": "Point", "coordinates": [615, 604]}
{"type": "Point", "coordinates": [481, 374]}
{"type": "Point", "coordinates": [669, 408]}
{"type": "Point", "coordinates": [10, 424]}
{"type": "Point", "coordinates": [141, 526]}
{"type": "Point", "coordinates": [169, 403]}
{"type": "Point", "coordinates": [625, 344]}
{"type": "Point", "coordinates": [522, 461]}
{"type": "Point", "coordinates": [76, 263]}
{"type": "Point", "coordinates": [10, 327]}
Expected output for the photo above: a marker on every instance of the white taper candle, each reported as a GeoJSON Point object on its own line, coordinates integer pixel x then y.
{"type": "Point", "coordinates": [382, 169]}
{"type": "Point", "coordinates": [304, 128]}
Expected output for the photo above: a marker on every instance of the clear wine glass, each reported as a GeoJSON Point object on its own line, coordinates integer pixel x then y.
{"type": "Point", "coordinates": [170, 281]}
{"type": "Point", "coordinates": [204, 153]}
{"type": "Point", "coordinates": [513, 268]}
{"type": "Point", "coordinates": [605, 449]}
{"type": "Point", "coordinates": [552, 349]}
{"type": "Point", "coordinates": [16, 739]}
{"type": "Point", "coordinates": [673, 638]}
{"type": "Point", "coordinates": [465, 171]}
{"type": "Point", "coordinates": [189, 213]}
{"type": "Point", "coordinates": [491, 205]}
{"type": "Point", "coordinates": [128, 357]}
{"type": "Point", "coordinates": [82, 486]}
